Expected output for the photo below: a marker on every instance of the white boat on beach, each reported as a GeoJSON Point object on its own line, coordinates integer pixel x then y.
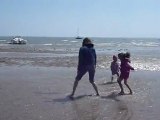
{"type": "Point", "coordinates": [18, 40]}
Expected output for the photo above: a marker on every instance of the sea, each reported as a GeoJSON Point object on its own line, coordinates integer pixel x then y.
{"type": "Point", "coordinates": [145, 52]}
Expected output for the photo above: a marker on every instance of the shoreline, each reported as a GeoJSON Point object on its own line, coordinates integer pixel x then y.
{"type": "Point", "coordinates": [68, 59]}
{"type": "Point", "coordinates": [36, 92]}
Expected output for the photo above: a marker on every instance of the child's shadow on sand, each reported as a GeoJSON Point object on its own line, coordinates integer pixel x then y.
{"type": "Point", "coordinates": [45, 93]}
{"type": "Point", "coordinates": [67, 99]}
{"type": "Point", "coordinates": [112, 96]}
{"type": "Point", "coordinates": [107, 83]}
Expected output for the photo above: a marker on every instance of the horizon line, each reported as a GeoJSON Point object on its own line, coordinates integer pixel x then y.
{"type": "Point", "coordinates": [74, 37]}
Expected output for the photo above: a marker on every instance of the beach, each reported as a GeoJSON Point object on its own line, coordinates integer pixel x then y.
{"type": "Point", "coordinates": [40, 93]}
{"type": "Point", "coordinates": [36, 79]}
{"type": "Point", "coordinates": [46, 46]}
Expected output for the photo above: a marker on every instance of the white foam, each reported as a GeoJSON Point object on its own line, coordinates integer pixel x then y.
{"type": "Point", "coordinates": [48, 44]}
{"type": "Point", "coordinates": [146, 66]}
{"type": "Point", "coordinates": [149, 65]}
{"type": "Point", "coordinates": [105, 44]}
{"type": "Point", "coordinates": [65, 40]}
{"type": "Point", "coordinates": [146, 44]}
{"type": "Point", "coordinates": [73, 41]}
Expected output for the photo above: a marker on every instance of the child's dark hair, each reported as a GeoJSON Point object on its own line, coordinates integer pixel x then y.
{"type": "Point", "coordinates": [127, 55]}
{"type": "Point", "coordinates": [86, 41]}
{"type": "Point", "coordinates": [121, 56]}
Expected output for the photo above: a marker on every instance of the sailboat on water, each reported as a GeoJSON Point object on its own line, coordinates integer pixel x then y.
{"type": "Point", "coordinates": [78, 37]}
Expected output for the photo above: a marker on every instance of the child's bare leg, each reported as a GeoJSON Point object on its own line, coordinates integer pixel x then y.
{"type": "Point", "coordinates": [95, 87]}
{"type": "Point", "coordinates": [112, 78]}
{"type": "Point", "coordinates": [120, 85]}
{"type": "Point", "coordinates": [125, 82]}
{"type": "Point", "coordinates": [74, 88]}
{"type": "Point", "coordinates": [117, 76]}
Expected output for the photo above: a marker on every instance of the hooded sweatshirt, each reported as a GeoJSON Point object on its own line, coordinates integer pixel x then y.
{"type": "Point", "coordinates": [87, 55]}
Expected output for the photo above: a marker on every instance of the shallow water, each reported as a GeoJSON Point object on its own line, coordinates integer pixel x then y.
{"type": "Point", "coordinates": [145, 52]}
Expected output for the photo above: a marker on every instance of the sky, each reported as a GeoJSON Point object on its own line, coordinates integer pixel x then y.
{"type": "Point", "coordinates": [92, 18]}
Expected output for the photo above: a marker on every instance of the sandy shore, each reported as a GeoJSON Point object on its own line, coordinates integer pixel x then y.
{"type": "Point", "coordinates": [40, 93]}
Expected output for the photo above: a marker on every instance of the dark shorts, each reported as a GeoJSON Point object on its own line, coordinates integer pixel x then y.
{"type": "Point", "coordinates": [83, 70]}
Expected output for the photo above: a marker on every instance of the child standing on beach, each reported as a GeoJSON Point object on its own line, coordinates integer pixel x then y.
{"type": "Point", "coordinates": [125, 71]}
{"type": "Point", "coordinates": [114, 68]}
{"type": "Point", "coordinates": [86, 63]}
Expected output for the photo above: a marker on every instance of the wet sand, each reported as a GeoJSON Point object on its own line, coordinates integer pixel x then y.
{"type": "Point", "coordinates": [40, 93]}
{"type": "Point", "coordinates": [22, 55]}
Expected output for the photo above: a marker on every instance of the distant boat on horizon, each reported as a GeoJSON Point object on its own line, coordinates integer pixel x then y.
{"type": "Point", "coordinates": [78, 37]}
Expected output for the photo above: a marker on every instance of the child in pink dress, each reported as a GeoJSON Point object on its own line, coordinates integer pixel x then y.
{"type": "Point", "coordinates": [114, 68]}
{"type": "Point", "coordinates": [125, 71]}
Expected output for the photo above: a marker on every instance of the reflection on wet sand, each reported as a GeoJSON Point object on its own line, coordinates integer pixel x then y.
{"type": "Point", "coordinates": [86, 109]}
{"type": "Point", "coordinates": [123, 112]}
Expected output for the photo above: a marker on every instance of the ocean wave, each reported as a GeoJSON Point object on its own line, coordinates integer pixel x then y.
{"type": "Point", "coordinates": [147, 66]}
{"type": "Point", "coordinates": [73, 41]}
{"type": "Point", "coordinates": [133, 43]}
{"type": "Point", "coordinates": [105, 44]}
{"type": "Point", "coordinates": [145, 44]}
{"type": "Point", "coordinates": [64, 40]}
{"type": "Point", "coordinates": [139, 63]}
{"type": "Point", "coordinates": [137, 66]}
{"type": "Point", "coordinates": [3, 40]}
{"type": "Point", "coordinates": [48, 44]}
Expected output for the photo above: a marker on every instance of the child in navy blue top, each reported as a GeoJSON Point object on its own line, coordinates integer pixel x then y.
{"type": "Point", "coordinates": [86, 63]}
